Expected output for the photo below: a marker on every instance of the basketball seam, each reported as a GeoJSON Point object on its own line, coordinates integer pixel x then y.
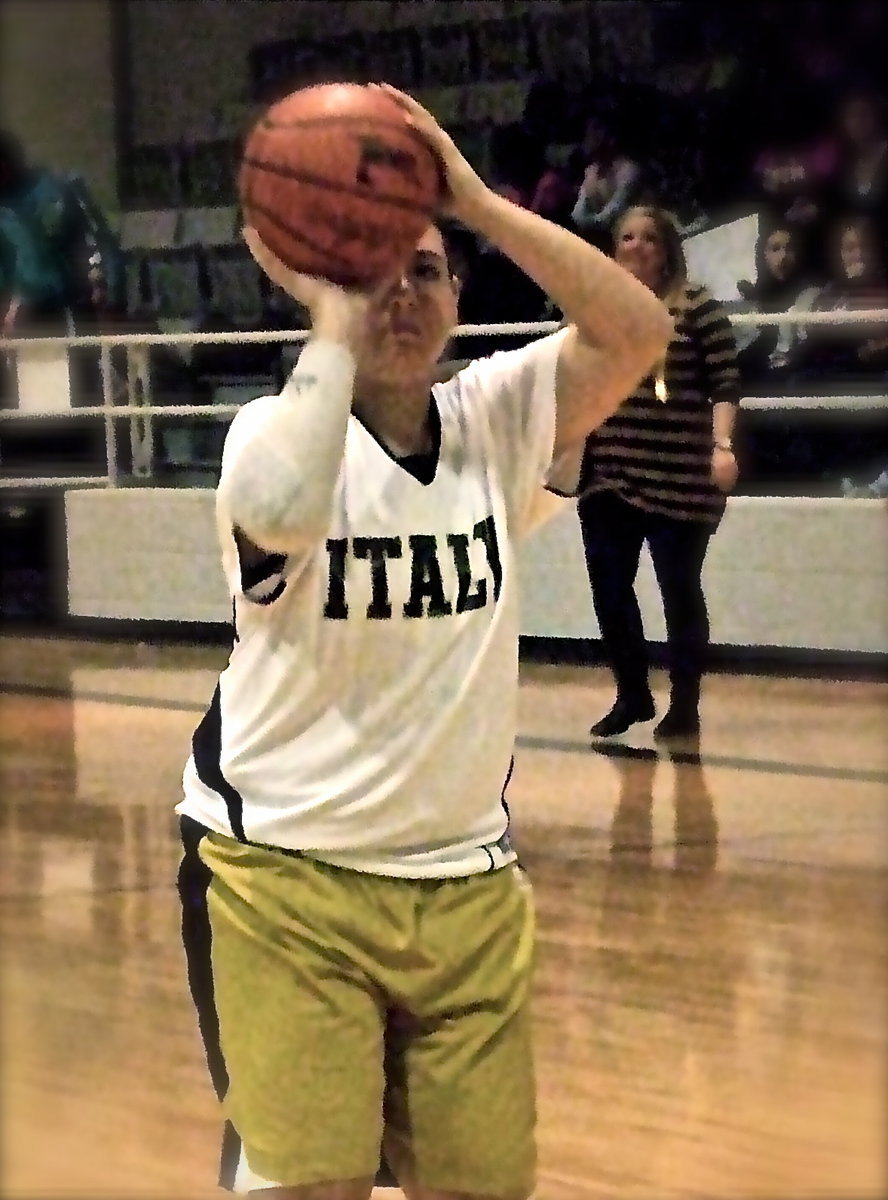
{"type": "Point", "coordinates": [329, 185]}
{"type": "Point", "coordinates": [297, 236]}
{"type": "Point", "coordinates": [270, 124]}
{"type": "Point", "coordinates": [311, 122]}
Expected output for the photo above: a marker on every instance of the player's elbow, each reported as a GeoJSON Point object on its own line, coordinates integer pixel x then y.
{"type": "Point", "coordinates": [648, 343]}
{"type": "Point", "coordinates": [639, 350]}
{"type": "Point", "coordinates": [637, 339]}
{"type": "Point", "coordinates": [282, 538]}
{"type": "Point", "coordinates": [277, 523]}
{"type": "Point", "coordinates": [286, 531]}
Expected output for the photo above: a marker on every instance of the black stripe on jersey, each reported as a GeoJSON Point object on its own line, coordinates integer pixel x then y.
{"type": "Point", "coordinates": [272, 596]}
{"type": "Point", "coordinates": [423, 467]}
{"type": "Point", "coordinates": [229, 1157]}
{"type": "Point", "coordinates": [193, 881]}
{"type": "Point", "coordinates": [505, 786]}
{"type": "Point", "coordinates": [262, 572]}
{"type": "Point", "coordinates": [206, 746]}
{"type": "Point", "coordinates": [255, 573]}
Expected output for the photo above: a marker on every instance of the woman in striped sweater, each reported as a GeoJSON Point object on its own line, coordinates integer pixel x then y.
{"type": "Point", "coordinates": [658, 471]}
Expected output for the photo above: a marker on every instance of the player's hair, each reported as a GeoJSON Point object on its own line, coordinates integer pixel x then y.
{"type": "Point", "coordinates": [459, 246]}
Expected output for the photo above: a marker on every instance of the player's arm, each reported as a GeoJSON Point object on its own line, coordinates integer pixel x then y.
{"type": "Point", "coordinates": [618, 329]}
{"type": "Point", "coordinates": [283, 453]}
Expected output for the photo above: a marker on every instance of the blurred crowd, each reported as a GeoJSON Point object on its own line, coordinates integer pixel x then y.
{"type": "Point", "coordinates": [822, 195]}
{"type": "Point", "coordinates": [783, 116]}
{"type": "Point", "coordinates": [816, 176]}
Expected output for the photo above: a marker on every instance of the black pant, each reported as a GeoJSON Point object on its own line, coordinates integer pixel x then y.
{"type": "Point", "coordinates": [613, 534]}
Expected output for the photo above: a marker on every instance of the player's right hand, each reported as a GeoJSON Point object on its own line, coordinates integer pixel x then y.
{"type": "Point", "coordinates": [325, 301]}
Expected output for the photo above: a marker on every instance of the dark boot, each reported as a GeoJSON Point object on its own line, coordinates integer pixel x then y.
{"type": "Point", "coordinates": [629, 709]}
{"type": "Point", "coordinates": [682, 719]}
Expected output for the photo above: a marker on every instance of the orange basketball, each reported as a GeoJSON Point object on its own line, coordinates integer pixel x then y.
{"type": "Point", "coordinates": [337, 184]}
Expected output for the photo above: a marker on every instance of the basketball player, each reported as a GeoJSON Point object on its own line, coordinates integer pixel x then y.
{"type": "Point", "coordinates": [372, 934]}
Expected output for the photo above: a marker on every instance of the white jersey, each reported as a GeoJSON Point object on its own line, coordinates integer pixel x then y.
{"type": "Point", "coordinates": [367, 715]}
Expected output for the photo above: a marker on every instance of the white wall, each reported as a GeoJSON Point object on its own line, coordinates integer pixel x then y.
{"type": "Point", "coordinates": [795, 572]}
{"type": "Point", "coordinates": [780, 572]}
{"type": "Point", "coordinates": [57, 86]}
{"type": "Point", "coordinates": [146, 553]}
{"type": "Point", "coordinates": [721, 256]}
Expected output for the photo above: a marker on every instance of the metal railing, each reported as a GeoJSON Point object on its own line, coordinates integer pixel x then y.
{"type": "Point", "coordinates": [139, 409]}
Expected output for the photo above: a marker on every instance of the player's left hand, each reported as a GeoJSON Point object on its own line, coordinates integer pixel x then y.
{"type": "Point", "coordinates": [464, 186]}
{"type": "Point", "coordinates": [725, 471]}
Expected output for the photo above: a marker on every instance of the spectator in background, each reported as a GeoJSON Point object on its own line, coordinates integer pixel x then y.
{"type": "Point", "coordinates": [782, 284]}
{"type": "Point", "coordinates": [516, 163]}
{"type": "Point", "coordinates": [859, 282]}
{"type": "Point", "coordinates": [815, 43]}
{"type": "Point", "coordinates": [494, 289]}
{"type": "Point", "coordinates": [612, 183]}
{"type": "Point", "coordinates": [533, 174]}
{"type": "Point", "coordinates": [53, 236]}
{"type": "Point", "coordinates": [657, 471]}
{"type": "Point", "coordinates": [556, 104]}
{"type": "Point", "coordinates": [861, 183]}
{"type": "Point", "coordinates": [556, 192]}
{"type": "Point", "coordinates": [794, 172]}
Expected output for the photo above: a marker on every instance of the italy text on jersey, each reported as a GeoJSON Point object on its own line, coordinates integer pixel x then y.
{"type": "Point", "coordinates": [441, 577]}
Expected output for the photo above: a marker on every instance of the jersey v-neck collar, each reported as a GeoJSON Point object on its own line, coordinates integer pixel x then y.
{"type": "Point", "coordinates": [423, 467]}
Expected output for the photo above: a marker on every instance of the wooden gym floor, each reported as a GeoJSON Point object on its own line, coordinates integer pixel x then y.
{"type": "Point", "coordinates": [711, 1000]}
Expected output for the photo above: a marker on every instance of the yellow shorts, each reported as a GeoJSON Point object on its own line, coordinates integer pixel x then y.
{"type": "Point", "coordinates": [354, 1007]}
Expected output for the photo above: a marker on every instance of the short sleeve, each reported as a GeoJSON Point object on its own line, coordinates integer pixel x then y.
{"type": "Point", "coordinates": [515, 389]}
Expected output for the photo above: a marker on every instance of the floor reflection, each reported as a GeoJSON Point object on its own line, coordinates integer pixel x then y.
{"type": "Point", "coordinates": [713, 972]}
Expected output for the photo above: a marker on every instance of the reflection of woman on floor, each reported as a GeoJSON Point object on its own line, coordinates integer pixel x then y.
{"type": "Point", "coordinates": [696, 824]}
{"type": "Point", "coordinates": [657, 471]}
{"type": "Point", "coordinates": [671, 955]}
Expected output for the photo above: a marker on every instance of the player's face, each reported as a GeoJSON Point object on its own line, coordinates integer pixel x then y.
{"type": "Point", "coordinates": [639, 249]}
{"type": "Point", "coordinates": [411, 316]}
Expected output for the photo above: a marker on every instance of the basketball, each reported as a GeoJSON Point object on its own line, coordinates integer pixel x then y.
{"type": "Point", "coordinates": [338, 184]}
